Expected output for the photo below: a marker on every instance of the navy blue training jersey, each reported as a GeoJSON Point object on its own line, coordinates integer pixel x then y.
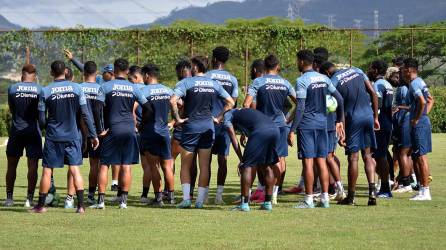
{"type": "Point", "coordinates": [120, 96]}
{"type": "Point", "coordinates": [138, 111]}
{"type": "Point", "coordinates": [418, 88]}
{"type": "Point", "coordinates": [158, 96]}
{"type": "Point", "coordinates": [351, 86]}
{"type": "Point", "coordinates": [401, 96]}
{"type": "Point", "coordinates": [314, 87]}
{"type": "Point", "coordinates": [23, 99]}
{"type": "Point", "coordinates": [247, 120]}
{"type": "Point", "coordinates": [228, 82]}
{"type": "Point", "coordinates": [93, 93]}
{"type": "Point", "coordinates": [62, 101]}
{"type": "Point", "coordinates": [270, 93]}
{"type": "Point", "coordinates": [384, 91]}
{"type": "Point", "coordinates": [198, 94]}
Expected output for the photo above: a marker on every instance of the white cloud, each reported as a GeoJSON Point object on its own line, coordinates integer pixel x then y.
{"type": "Point", "coordinates": [90, 13]}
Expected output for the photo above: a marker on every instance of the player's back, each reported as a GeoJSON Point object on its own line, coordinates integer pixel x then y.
{"type": "Point", "coordinates": [158, 95]}
{"type": "Point", "coordinates": [62, 100]}
{"type": "Point", "coordinates": [23, 99]}
{"type": "Point", "coordinates": [384, 90]}
{"type": "Point", "coordinates": [401, 97]}
{"type": "Point", "coordinates": [119, 100]}
{"type": "Point", "coordinates": [228, 82]}
{"type": "Point", "coordinates": [93, 93]}
{"type": "Point", "coordinates": [248, 120]}
{"type": "Point", "coordinates": [351, 85]}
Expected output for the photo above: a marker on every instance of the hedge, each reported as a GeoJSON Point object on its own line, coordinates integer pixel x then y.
{"type": "Point", "coordinates": [437, 116]}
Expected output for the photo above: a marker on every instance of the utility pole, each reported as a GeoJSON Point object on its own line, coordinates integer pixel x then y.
{"type": "Point", "coordinates": [400, 20]}
{"type": "Point", "coordinates": [357, 23]}
{"type": "Point", "coordinates": [376, 23]}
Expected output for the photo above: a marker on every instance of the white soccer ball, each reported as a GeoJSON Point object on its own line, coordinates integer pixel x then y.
{"type": "Point", "coordinates": [332, 104]}
{"type": "Point", "coordinates": [49, 199]}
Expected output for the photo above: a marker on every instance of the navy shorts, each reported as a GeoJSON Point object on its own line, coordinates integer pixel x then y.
{"type": "Point", "coordinates": [157, 144]}
{"type": "Point", "coordinates": [57, 154]}
{"type": "Point", "coordinates": [382, 143]}
{"type": "Point", "coordinates": [359, 134]}
{"type": "Point", "coordinates": [31, 143]}
{"type": "Point", "coordinates": [90, 152]}
{"type": "Point", "coordinates": [261, 148]}
{"type": "Point", "coordinates": [194, 141]}
{"type": "Point", "coordinates": [120, 149]}
{"type": "Point", "coordinates": [421, 137]}
{"type": "Point", "coordinates": [404, 131]}
{"type": "Point", "coordinates": [222, 141]}
{"type": "Point", "coordinates": [312, 143]}
{"type": "Point", "coordinates": [282, 145]}
{"type": "Point", "coordinates": [332, 141]}
{"type": "Point", "coordinates": [176, 134]}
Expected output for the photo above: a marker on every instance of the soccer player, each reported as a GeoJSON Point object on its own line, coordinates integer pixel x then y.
{"type": "Point", "coordinates": [384, 91]}
{"type": "Point", "coordinates": [183, 70]}
{"type": "Point", "coordinates": [220, 56]}
{"type": "Point", "coordinates": [361, 120]}
{"type": "Point", "coordinates": [270, 92]}
{"type": "Point", "coordinates": [311, 123]}
{"type": "Point", "coordinates": [421, 103]}
{"type": "Point", "coordinates": [23, 98]}
{"type": "Point", "coordinates": [197, 135]}
{"type": "Point", "coordinates": [135, 77]}
{"type": "Point", "coordinates": [59, 105]}
{"type": "Point", "coordinates": [120, 145]}
{"type": "Point", "coordinates": [260, 153]}
{"type": "Point", "coordinates": [155, 136]}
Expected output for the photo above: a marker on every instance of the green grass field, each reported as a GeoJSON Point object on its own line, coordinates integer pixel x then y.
{"type": "Point", "coordinates": [395, 223]}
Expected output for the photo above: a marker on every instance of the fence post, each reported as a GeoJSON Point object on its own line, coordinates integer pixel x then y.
{"type": "Point", "coordinates": [137, 47]}
{"type": "Point", "coordinates": [411, 43]}
{"type": "Point", "coordinates": [351, 48]}
{"type": "Point", "coordinates": [27, 49]}
{"type": "Point", "coordinates": [83, 46]}
{"type": "Point", "coordinates": [301, 41]}
{"type": "Point", "coordinates": [246, 67]}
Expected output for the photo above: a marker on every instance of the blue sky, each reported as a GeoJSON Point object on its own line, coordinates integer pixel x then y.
{"type": "Point", "coordinates": [90, 13]}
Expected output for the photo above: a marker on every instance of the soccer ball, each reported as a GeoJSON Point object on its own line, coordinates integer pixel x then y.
{"type": "Point", "coordinates": [332, 104]}
{"type": "Point", "coordinates": [52, 200]}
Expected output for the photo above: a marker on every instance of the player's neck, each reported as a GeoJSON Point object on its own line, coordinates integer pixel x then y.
{"type": "Point", "coordinates": [60, 78]}
{"type": "Point", "coordinates": [152, 81]}
{"type": "Point", "coordinates": [272, 72]}
{"type": "Point", "coordinates": [121, 75]}
{"type": "Point", "coordinates": [219, 66]}
{"type": "Point", "coordinates": [307, 68]}
{"type": "Point", "coordinates": [90, 79]}
{"type": "Point", "coordinates": [28, 80]}
{"type": "Point", "coordinates": [199, 74]}
{"type": "Point", "coordinates": [413, 77]}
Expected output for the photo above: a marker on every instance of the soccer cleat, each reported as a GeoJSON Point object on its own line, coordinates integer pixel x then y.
{"type": "Point", "coordinates": [402, 189]}
{"type": "Point", "coordinates": [323, 204]}
{"type": "Point", "coordinates": [91, 200]}
{"type": "Point", "coordinates": [340, 195]}
{"type": "Point", "coordinates": [422, 196]}
{"type": "Point", "coordinates": [122, 205]}
{"type": "Point", "coordinates": [114, 188]}
{"type": "Point", "coordinates": [293, 190]}
{"type": "Point", "coordinates": [155, 203]}
{"type": "Point", "coordinates": [144, 200]}
{"type": "Point", "coordinates": [38, 210]}
{"type": "Point", "coordinates": [372, 201]}
{"type": "Point", "coordinates": [28, 204]}
{"type": "Point", "coordinates": [274, 200]}
{"type": "Point", "coordinates": [69, 204]}
{"type": "Point", "coordinates": [219, 201]}
{"type": "Point", "coordinates": [242, 207]}
{"type": "Point", "coordinates": [184, 204]}
{"type": "Point", "coordinates": [267, 206]}
{"type": "Point", "coordinates": [304, 205]}
{"type": "Point", "coordinates": [347, 201]}
{"type": "Point", "coordinates": [385, 195]}
{"type": "Point", "coordinates": [199, 205]}
{"type": "Point", "coordinates": [98, 206]}
{"type": "Point", "coordinates": [8, 203]}
{"type": "Point", "coordinates": [80, 210]}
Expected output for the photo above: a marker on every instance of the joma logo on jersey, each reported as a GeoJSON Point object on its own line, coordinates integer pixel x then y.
{"type": "Point", "coordinates": [318, 85]}
{"type": "Point", "coordinates": [27, 88]}
{"type": "Point", "coordinates": [346, 73]}
{"type": "Point", "coordinates": [55, 90]}
{"type": "Point", "coordinates": [122, 87]}
{"type": "Point", "coordinates": [275, 87]}
{"type": "Point", "coordinates": [315, 79]}
{"type": "Point", "coordinates": [220, 76]}
{"type": "Point", "coordinates": [274, 80]}
{"type": "Point", "coordinates": [158, 91]}
{"type": "Point", "coordinates": [90, 90]}
{"type": "Point", "coordinates": [203, 84]}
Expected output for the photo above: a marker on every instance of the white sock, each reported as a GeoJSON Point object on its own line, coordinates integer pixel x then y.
{"type": "Point", "coordinates": [219, 192]}
{"type": "Point", "coordinates": [249, 196]}
{"type": "Point", "coordinates": [275, 190]}
{"type": "Point", "coordinates": [301, 182]}
{"type": "Point", "coordinates": [414, 177]}
{"type": "Point", "coordinates": [201, 194]}
{"type": "Point", "coordinates": [325, 197]}
{"type": "Point", "coordinates": [339, 186]}
{"type": "Point", "coordinates": [186, 191]}
{"type": "Point", "coordinates": [309, 198]}
{"type": "Point", "coordinates": [114, 182]}
{"type": "Point", "coordinates": [260, 186]}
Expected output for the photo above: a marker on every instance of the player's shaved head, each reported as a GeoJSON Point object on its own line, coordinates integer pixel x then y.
{"type": "Point", "coordinates": [200, 64]}
{"type": "Point", "coordinates": [151, 70]}
{"type": "Point", "coordinates": [29, 69]}
{"type": "Point", "coordinates": [58, 68]}
{"type": "Point", "coordinates": [120, 65]}
{"type": "Point", "coordinates": [271, 62]}
{"type": "Point", "coordinates": [305, 59]}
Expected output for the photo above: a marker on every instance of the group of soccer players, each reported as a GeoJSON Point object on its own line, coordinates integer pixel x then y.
{"type": "Point", "coordinates": [122, 115]}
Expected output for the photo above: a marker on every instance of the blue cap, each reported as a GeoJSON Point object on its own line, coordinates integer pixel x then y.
{"type": "Point", "coordinates": [108, 68]}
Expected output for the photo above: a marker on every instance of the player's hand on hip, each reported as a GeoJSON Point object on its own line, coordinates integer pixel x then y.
{"type": "Point", "coordinates": [291, 139]}
{"type": "Point", "coordinates": [94, 143]}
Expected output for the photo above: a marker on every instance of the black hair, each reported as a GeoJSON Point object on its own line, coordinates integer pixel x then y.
{"type": "Point", "coordinates": [306, 55]}
{"type": "Point", "coordinates": [221, 54]}
{"type": "Point", "coordinates": [259, 66]}
{"type": "Point", "coordinates": [325, 67]}
{"type": "Point", "coordinates": [321, 52]}
{"type": "Point", "coordinates": [319, 60]}
{"type": "Point", "coordinates": [121, 65]}
{"type": "Point", "coordinates": [398, 61]}
{"type": "Point", "coordinates": [90, 68]}
{"type": "Point", "coordinates": [151, 70]}
{"type": "Point", "coordinates": [411, 63]}
{"type": "Point", "coordinates": [134, 69]}
{"type": "Point", "coordinates": [182, 64]}
{"type": "Point", "coordinates": [271, 61]}
{"type": "Point", "coordinates": [58, 68]}
{"type": "Point", "coordinates": [201, 62]}
{"type": "Point", "coordinates": [380, 66]}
